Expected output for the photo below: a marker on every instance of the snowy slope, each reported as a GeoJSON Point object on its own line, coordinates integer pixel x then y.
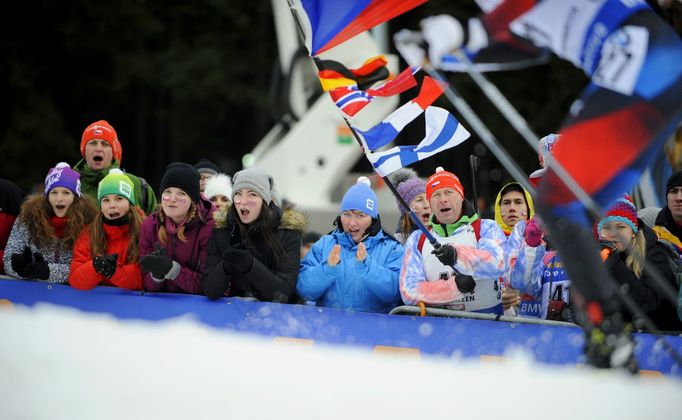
{"type": "Point", "coordinates": [61, 364]}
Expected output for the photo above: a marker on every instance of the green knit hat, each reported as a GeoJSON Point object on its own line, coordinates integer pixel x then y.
{"type": "Point", "coordinates": [116, 182]}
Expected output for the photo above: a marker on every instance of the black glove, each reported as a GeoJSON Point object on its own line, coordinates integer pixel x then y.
{"type": "Point", "coordinates": [105, 264]}
{"type": "Point", "coordinates": [20, 261]}
{"type": "Point", "coordinates": [237, 260]}
{"type": "Point", "coordinates": [446, 254]}
{"type": "Point", "coordinates": [604, 244]}
{"type": "Point", "coordinates": [37, 269]}
{"type": "Point", "coordinates": [465, 284]}
{"type": "Point", "coordinates": [158, 263]}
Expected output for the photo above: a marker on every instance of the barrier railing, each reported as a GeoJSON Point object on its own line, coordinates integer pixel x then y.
{"type": "Point", "coordinates": [449, 313]}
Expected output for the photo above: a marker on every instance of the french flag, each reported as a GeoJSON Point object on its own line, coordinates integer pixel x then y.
{"type": "Point", "coordinates": [387, 130]}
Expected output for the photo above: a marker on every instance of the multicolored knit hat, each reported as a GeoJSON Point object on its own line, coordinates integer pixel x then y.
{"type": "Point", "coordinates": [104, 131]}
{"type": "Point", "coordinates": [118, 183]}
{"type": "Point", "coordinates": [360, 197]}
{"type": "Point", "coordinates": [623, 210]}
{"type": "Point", "coordinates": [63, 176]}
{"type": "Point", "coordinates": [443, 179]}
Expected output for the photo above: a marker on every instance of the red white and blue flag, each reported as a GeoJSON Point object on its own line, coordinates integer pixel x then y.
{"type": "Point", "coordinates": [350, 99]}
{"type": "Point", "coordinates": [327, 23]}
{"type": "Point", "coordinates": [387, 130]}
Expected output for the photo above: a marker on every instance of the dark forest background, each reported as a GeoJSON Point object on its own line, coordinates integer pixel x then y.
{"type": "Point", "coordinates": [186, 80]}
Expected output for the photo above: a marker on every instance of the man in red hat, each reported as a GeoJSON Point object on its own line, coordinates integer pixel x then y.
{"type": "Point", "coordinates": [101, 152]}
{"type": "Point", "coordinates": [464, 272]}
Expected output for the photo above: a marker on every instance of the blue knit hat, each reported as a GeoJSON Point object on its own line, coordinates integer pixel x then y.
{"type": "Point", "coordinates": [360, 197]}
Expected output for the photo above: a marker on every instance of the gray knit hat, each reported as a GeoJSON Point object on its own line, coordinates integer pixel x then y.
{"type": "Point", "coordinates": [255, 180]}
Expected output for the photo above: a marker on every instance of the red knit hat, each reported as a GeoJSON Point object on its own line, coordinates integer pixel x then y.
{"type": "Point", "coordinates": [443, 179]}
{"type": "Point", "coordinates": [102, 130]}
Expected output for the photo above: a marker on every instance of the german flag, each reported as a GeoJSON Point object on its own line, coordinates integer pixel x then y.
{"type": "Point", "coordinates": [334, 74]}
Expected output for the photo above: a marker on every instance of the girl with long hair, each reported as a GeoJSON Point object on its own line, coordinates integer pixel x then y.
{"type": "Point", "coordinates": [255, 248]}
{"type": "Point", "coordinates": [107, 252]}
{"type": "Point", "coordinates": [174, 239]}
{"type": "Point", "coordinates": [628, 245]}
{"type": "Point", "coordinates": [41, 243]}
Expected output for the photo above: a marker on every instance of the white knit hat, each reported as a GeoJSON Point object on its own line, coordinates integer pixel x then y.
{"type": "Point", "coordinates": [218, 185]}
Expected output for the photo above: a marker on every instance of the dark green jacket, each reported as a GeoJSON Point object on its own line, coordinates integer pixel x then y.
{"type": "Point", "coordinates": [90, 181]}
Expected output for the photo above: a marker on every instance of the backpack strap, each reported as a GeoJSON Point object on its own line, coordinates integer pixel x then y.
{"type": "Point", "coordinates": [477, 232]}
{"type": "Point", "coordinates": [420, 243]}
{"type": "Point", "coordinates": [477, 228]}
{"type": "Point", "coordinates": [143, 187]}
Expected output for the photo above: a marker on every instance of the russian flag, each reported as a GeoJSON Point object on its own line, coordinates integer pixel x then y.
{"type": "Point", "coordinates": [443, 131]}
{"type": "Point", "coordinates": [387, 130]}
{"type": "Point", "coordinates": [327, 23]}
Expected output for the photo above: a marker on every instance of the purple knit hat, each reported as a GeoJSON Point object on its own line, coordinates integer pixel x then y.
{"type": "Point", "coordinates": [63, 176]}
{"type": "Point", "coordinates": [408, 190]}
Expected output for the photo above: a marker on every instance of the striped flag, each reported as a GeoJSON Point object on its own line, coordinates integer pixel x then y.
{"type": "Point", "coordinates": [351, 100]}
{"type": "Point", "coordinates": [387, 130]}
{"type": "Point", "coordinates": [327, 23]}
{"type": "Point", "coordinates": [334, 75]}
{"type": "Point", "coordinates": [443, 132]}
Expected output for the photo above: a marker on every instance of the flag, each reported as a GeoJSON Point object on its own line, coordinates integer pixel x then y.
{"type": "Point", "coordinates": [333, 74]}
{"type": "Point", "coordinates": [387, 130]}
{"type": "Point", "coordinates": [327, 23]}
{"type": "Point", "coordinates": [443, 132]}
{"type": "Point", "coordinates": [351, 100]}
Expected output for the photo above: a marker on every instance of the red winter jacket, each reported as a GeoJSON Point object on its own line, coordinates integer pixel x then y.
{"type": "Point", "coordinates": [83, 275]}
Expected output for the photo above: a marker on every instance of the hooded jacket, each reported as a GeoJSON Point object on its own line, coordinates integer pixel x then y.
{"type": "Point", "coordinates": [369, 286]}
{"type": "Point", "coordinates": [267, 279]}
{"type": "Point", "coordinates": [498, 212]}
{"type": "Point", "coordinates": [190, 254]}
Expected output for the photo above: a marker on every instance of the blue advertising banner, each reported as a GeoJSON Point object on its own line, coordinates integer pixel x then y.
{"type": "Point", "coordinates": [420, 335]}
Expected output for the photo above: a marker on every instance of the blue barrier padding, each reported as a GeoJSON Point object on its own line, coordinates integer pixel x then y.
{"type": "Point", "coordinates": [430, 335]}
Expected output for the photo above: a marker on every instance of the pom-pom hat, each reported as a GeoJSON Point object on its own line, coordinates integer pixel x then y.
{"type": "Point", "coordinates": [63, 176]}
{"type": "Point", "coordinates": [361, 197]}
{"type": "Point", "coordinates": [443, 179]}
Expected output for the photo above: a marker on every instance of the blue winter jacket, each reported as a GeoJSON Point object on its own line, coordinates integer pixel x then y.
{"type": "Point", "coordinates": [367, 286]}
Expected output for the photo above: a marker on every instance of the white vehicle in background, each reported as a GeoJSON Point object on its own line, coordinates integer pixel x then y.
{"type": "Point", "coordinates": [311, 151]}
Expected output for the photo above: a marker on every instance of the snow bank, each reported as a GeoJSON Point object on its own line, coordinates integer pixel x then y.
{"type": "Point", "coordinates": [59, 363]}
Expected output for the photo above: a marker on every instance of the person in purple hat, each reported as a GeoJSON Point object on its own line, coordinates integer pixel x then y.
{"type": "Point", "coordinates": [41, 243]}
{"type": "Point", "coordinates": [413, 191]}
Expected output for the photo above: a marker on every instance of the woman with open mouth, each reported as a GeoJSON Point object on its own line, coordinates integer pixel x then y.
{"type": "Point", "coordinates": [355, 267]}
{"type": "Point", "coordinates": [255, 249]}
{"type": "Point", "coordinates": [41, 243]}
{"type": "Point", "coordinates": [174, 239]}
{"type": "Point", "coordinates": [107, 252]}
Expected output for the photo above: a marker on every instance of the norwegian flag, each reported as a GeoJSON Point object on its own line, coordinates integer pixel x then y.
{"type": "Point", "coordinates": [350, 99]}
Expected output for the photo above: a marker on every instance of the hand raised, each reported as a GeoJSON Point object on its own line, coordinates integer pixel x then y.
{"type": "Point", "coordinates": [334, 256]}
{"type": "Point", "coordinates": [362, 252]}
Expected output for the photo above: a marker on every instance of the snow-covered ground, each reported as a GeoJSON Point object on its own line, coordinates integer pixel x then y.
{"type": "Point", "coordinates": [58, 363]}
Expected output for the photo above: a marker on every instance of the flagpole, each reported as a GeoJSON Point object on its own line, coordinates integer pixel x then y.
{"type": "Point", "coordinates": [517, 121]}
{"type": "Point", "coordinates": [397, 195]}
